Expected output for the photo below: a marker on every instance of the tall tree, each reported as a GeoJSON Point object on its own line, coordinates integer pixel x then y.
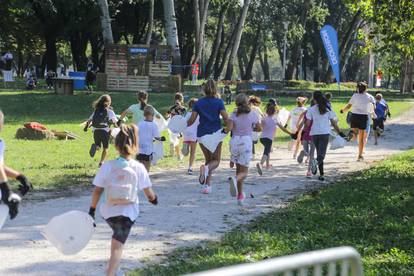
{"type": "Point", "coordinates": [150, 22]}
{"type": "Point", "coordinates": [170, 22]}
{"type": "Point", "coordinates": [106, 22]}
{"type": "Point", "coordinates": [236, 43]}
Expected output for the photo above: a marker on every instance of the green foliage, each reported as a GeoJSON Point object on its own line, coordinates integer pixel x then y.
{"type": "Point", "coordinates": [372, 211]}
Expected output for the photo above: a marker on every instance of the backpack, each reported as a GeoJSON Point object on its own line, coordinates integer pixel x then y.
{"type": "Point", "coordinates": [100, 118]}
{"type": "Point", "coordinates": [122, 186]}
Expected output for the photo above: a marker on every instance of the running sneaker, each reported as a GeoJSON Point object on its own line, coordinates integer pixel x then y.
{"type": "Point", "coordinates": [350, 136]}
{"type": "Point", "coordinates": [309, 174]}
{"type": "Point", "coordinates": [314, 166]}
{"type": "Point", "coordinates": [206, 189]}
{"type": "Point", "coordinates": [360, 158]}
{"type": "Point", "coordinates": [321, 178]}
{"type": "Point", "coordinates": [301, 156]}
{"type": "Point", "coordinates": [233, 186]}
{"type": "Point", "coordinates": [92, 150]}
{"type": "Point", "coordinates": [259, 169]}
{"type": "Point", "coordinates": [240, 199]}
{"type": "Point", "coordinates": [190, 171]}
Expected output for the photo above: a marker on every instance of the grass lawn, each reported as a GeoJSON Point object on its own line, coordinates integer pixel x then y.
{"type": "Point", "coordinates": [61, 164]}
{"type": "Point", "coordinates": [372, 211]}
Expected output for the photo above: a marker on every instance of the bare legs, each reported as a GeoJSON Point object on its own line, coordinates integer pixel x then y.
{"type": "Point", "coordinates": [191, 160]}
{"type": "Point", "coordinates": [212, 160]}
{"type": "Point", "coordinates": [115, 259]}
{"type": "Point", "coordinates": [241, 174]}
{"type": "Point", "coordinates": [103, 156]}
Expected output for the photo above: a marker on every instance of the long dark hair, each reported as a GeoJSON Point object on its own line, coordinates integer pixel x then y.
{"type": "Point", "coordinates": [361, 87]}
{"type": "Point", "coordinates": [321, 101]}
{"type": "Point", "coordinates": [126, 142]}
{"type": "Point", "coordinates": [102, 102]}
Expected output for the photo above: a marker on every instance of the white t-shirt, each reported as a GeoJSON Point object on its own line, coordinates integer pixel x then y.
{"type": "Point", "coordinates": [147, 131]}
{"type": "Point", "coordinates": [2, 148]}
{"type": "Point", "coordinates": [112, 118]}
{"type": "Point", "coordinates": [321, 124]}
{"type": "Point", "coordinates": [101, 180]}
{"type": "Point", "coordinates": [294, 117]}
{"type": "Point", "coordinates": [190, 133]}
{"type": "Point", "coordinates": [361, 103]}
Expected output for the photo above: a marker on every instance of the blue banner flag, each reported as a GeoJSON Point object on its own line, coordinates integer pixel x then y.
{"type": "Point", "coordinates": [330, 41]}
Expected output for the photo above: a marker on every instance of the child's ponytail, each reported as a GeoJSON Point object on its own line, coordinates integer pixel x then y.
{"type": "Point", "coordinates": [126, 141]}
{"type": "Point", "coordinates": [142, 98]}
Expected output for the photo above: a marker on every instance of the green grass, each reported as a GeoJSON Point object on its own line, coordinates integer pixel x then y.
{"type": "Point", "coordinates": [372, 211]}
{"type": "Point", "coordinates": [61, 164]}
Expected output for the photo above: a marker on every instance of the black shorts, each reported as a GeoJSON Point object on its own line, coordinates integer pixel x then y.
{"type": "Point", "coordinates": [144, 157]}
{"type": "Point", "coordinates": [359, 121]}
{"type": "Point", "coordinates": [379, 123]}
{"type": "Point", "coordinates": [121, 227]}
{"type": "Point", "coordinates": [101, 138]}
{"type": "Point", "coordinates": [267, 143]}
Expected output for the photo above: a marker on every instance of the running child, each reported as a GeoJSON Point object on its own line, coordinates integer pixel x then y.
{"type": "Point", "coordinates": [121, 179]}
{"type": "Point", "coordinates": [245, 121]}
{"type": "Point", "coordinates": [209, 109]}
{"type": "Point", "coordinates": [100, 120]}
{"type": "Point", "coordinates": [190, 138]}
{"type": "Point", "coordinates": [7, 197]}
{"type": "Point", "coordinates": [147, 133]}
{"type": "Point", "coordinates": [319, 119]}
{"type": "Point", "coordinates": [308, 150]}
{"type": "Point", "coordinates": [381, 111]}
{"type": "Point", "coordinates": [269, 125]}
{"type": "Point", "coordinates": [255, 103]}
{"type": "Point", "coordinates": [137, 110]}
{"type": "Point", "coordinates": [177, 109]}
{"type": "Point", "coordinates": [294, 118]}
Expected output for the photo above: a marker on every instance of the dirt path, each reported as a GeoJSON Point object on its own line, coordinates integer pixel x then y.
{"type": "Point", "coordinates": [183, 217]}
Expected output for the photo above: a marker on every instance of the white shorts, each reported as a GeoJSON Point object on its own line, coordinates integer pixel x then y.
{"type": "Point", "coordinates": [241, 150]}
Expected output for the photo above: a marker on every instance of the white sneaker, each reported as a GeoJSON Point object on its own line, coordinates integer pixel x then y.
{"type": "Point", "coordinates": [233, 186]}
{"type": "Point", "coordinates": [206, 189]}
{"type": "Point", "coordinates": [240, 199]}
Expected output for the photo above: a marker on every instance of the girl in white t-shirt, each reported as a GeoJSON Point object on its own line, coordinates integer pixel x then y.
{"type": "Point", "coordinates": [245, 121]}
{"type": "Point", "coordinates": [120, 181]}
{"type": "Point", "coordinates": [7, 197]}
{"type": "Point", "coordinates": [361, 104]}
{"type": "Point", "coordinates": [190, 138]}
{"type": "Point", "coordinates": [294, 119]}
{"type": "Point", "coordinates": [147, 133]}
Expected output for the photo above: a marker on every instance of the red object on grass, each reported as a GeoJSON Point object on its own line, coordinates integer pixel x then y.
{"type": "Point", "coordinates": [35, 125]}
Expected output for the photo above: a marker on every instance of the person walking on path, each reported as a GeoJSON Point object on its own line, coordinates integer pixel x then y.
{"type": "Point", "coordinates": [320, 118]}
{"type": "Point", "coordinates": [209, 109]}
{"type": "Point", "coordinates": [244, 122]}
{"type": "Point", "coordinates": [121, 179]}
{"type": "Point", "coordinates": [361, 104]}
{"type": "Point", "coordinates": [190, 138]}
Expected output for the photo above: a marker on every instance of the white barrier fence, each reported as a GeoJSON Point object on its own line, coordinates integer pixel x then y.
{"type": "Point", "coordinates": [343, 261]}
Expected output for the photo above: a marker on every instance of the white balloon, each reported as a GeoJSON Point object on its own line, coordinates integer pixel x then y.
{"type": "Point", "coordinates": [4, 212]}
{"type": "Point", "coordinates": [337, 142]}
{"type": "Point", "coordinates": [69, 232]}
{"type": "Point", "coordinates": [283, 116]}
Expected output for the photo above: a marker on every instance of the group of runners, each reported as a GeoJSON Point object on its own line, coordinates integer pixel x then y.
{"type": "Point", "coordinates": [118, 181]}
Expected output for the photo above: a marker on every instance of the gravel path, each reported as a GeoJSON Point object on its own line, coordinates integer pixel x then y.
{"type": "Point", "coordinates": [183, 216]}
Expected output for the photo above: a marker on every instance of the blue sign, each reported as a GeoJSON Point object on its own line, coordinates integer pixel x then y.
{"type": "Point", "coordinates": [259, 87]}
{"type": "Point", "coordinates": [330, 41]}
{"type": "Point", "coordinates": [79, 80]}
{"type": "Point", "coordinates": [138, 50]}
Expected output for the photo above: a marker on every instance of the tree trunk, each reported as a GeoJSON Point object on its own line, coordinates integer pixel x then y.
{"type": "Point", "coordinates": [226, 54]}
{"type": "Point", "coordinates": [264, 63]}
{"type": "Point", "coordinates": [235, 48]}
{"type": "Point", "coordinates": [150, 22]}
{"type": "Point", "coordinates": [106, 22]}
{"type": "Point", "coordinates": [219, 57]}
{"type": "Point", "coordinates": [249, 68]}
{"type": "Point", "coordinates": [200, 19]}
{"type": "Point", "coordinates": [51, 51]}
{"type": "Point", "coordinates": [93, 39]}
{"type": "Point", "coordinates": [347, 42]}
{"type": "Point", "coordinates": [78, 44]}
{"type": "Point", "coordinates": [216, 43]}
{"type": "Point", "coordinates": [171, 30]}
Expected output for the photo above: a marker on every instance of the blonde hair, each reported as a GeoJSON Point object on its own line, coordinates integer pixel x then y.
{"type": "Point", "coordinates": [142, 98]}
{"type": "Point", "coordinates": [103, 101]}
{"type": "Point", "coordinates": [179, 97]}
{"type": "Point", "coordinates": [1, 119]}
{"type": "Point", "coordinates": [242, 103]}
{"type": "Point", "coordinates": [210, 89]}
{"type": "Point", "coordinates": [254, 100]}
{"type": "Point", "coordinates": [126, 142]}
{"type": "Point", "coordinates": [149, 111]}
